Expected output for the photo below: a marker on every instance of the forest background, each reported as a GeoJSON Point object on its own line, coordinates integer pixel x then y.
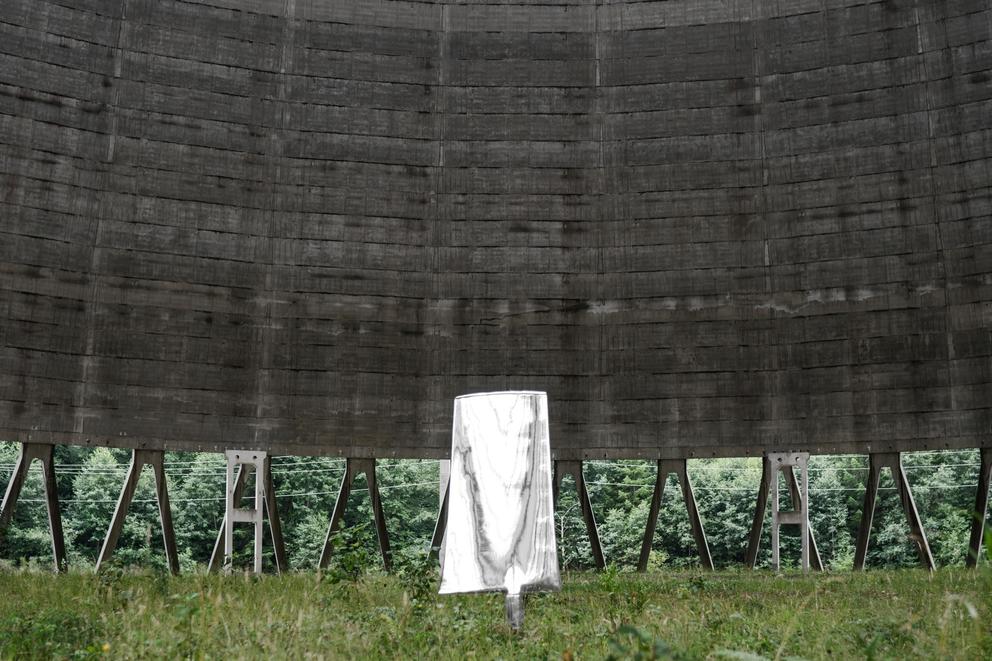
{"type": "Point", "coordinates": [90, 480]}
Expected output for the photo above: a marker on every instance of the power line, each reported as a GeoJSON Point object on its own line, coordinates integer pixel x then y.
{"type": "Point", "coordinates": [221, 469]}
{"type": "Point", "coordinates": [299, 466]}
{"type": "Point", "coordinates": [812, 489]}
{"type": "Point", "coordinates": [221, 498]}
{"type": "Point", "coordinates": [435, 484]}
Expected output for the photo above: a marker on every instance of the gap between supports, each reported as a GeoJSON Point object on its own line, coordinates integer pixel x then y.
{"type": "Point", "coordinates": [233, 496]}
{"type": "Point", "coordinates": [892, 461]}
{"type": "Point", "coordinates": [353, 467]}
{"type": "Point", "coordinates": [678, 468]}
{"type": "Point", "coordinates": [43, 452]}
{"type": "Point", "coordinates": [139, 459]}
{"type": "Point", "coordinates": [981, 508]}
{"type": "Point", "coordinates": [574, 468]}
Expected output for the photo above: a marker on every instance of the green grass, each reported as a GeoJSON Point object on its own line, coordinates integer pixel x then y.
{"type": "Point", "coordinates": [690, 614]}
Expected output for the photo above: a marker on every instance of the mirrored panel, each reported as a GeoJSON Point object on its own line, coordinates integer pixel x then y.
{"type": "Point", "coordinates": [500, 532]}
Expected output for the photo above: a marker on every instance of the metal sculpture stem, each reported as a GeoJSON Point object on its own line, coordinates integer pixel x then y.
{"type": "Point", "coordinates": [515, 611]}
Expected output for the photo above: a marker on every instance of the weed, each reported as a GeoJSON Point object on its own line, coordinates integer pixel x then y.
{"type": "Point", "coordinates": [350, 558]}
{"type": "Point", "coordinates": [417, 571]}
{"type": "Point", "coordinates": [624, 615]}
{"type": "Point", "coordinates": [184, 608]}
{"type": "Point", "coordinates": [48, 634]}
{"type": "Point", "coordinates": [629, 642]}
{"type": "Point", "coordinates": [697, 584]}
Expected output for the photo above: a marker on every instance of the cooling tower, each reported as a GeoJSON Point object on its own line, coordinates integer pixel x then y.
{"type": "Point", "coordinates": [703, 227]}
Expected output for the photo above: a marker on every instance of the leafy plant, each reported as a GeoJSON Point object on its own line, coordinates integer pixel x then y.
{"type": "Point", "coordinates": [184, 608]}
{"type": "Point", "coordinates": [54, 633]}
{"type": "Point", "coordinates": [629, 642]}
{"type": "Point", "coordinates": [417, 571]}
{"type": "Point", "coordinates": [350, 558]}
{"type": "Point", "coordinates": [737, 615]}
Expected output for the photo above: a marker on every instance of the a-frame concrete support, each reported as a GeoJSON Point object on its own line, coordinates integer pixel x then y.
{"type": "Point", "coordinates": [678, 467]}
{"type": "Point", "coordinates": [43, 452]}
{"type": "Point", "coordinates": [892, 461]}
{"type": "Point", "coordinates": [140, 458]}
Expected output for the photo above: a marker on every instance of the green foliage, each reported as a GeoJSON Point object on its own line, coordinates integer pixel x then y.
{"type": "Point", "coordinates": [418, 574]}
{"type": "Point", "coordinates": [197, 495]}
{"type": "Point", "coordinates": [52, 633]}
{"type": "Point", "coordinates": [632, 643]}
{"type": "Point", "coordinates": [184, 608]}
{"type": "Point", "coordinates": [574, 549]}
{"type": "Point", "coordinates": [305, 518]}
{"type": "Point", "coordinates": [726, 490]}
{"type": "Point", "coordinates": [27, 539]}
{"type": "Point", "coordinates": [621, 601]}
{"type": "Point", "coordinates": [350, 557]}
{"type": "Point", "coordinates": [676, 614]}
{"type": "Point", "coordinates": [306, 487]}
{"type": "Point", "coordinates": [410, 499]}
{"type": "Point", "coordinates": [87, 517]}
{"type": "Point", "coordinates": [305, 539]}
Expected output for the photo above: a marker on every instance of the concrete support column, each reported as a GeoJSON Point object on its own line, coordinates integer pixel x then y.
{"type": "Point", "coordinates": [353, 467]}
{"type": "Point", "coordinates": [981, 508]}
{"type": "Point", "coordinates": [139, 458]}
{"type": "Point", "coordinates": [43, 452]}
{"type": "Point", "coordinates": [892, 461]}
{"type": "Point", "coordinates": [574, 468]}
{"type": "Point", "coordinates": [678, 467]}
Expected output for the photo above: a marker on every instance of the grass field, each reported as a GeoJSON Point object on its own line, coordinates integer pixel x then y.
{"type": "Point", "coordinates": [694, 615]}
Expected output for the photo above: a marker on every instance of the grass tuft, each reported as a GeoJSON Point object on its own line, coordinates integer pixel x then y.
{"type": "Point", "coordinates": [611, 614]}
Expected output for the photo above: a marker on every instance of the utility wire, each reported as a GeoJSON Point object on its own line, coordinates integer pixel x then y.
{"type": "Point", "coordinates": [435, 484]}
{"type": "Point", "coordinates": [222, 497]}
{"type": "Point", "coordinates": [812, 488]}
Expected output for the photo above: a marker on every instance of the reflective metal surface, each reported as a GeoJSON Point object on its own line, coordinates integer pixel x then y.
{"type": "Point", "coordinates": [500, 532]}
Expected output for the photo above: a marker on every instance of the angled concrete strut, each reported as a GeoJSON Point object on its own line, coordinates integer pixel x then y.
{"type": "Point", "coordinates": [352, 468]}
{"type": "Point", "coordinates": [981, 508]}
{"type": "Point", "coordinates": [140, 458]}
{"type": "Point", "coordinates": [43, 452]}
{"type": "Point", "coordinates": [892, 461]}
{"type": "Point", "coordinates": [574, 468]}
{"type": "Point", "coordinates": [440, 525]}
{"type": "Point", "coordinates": [678, 467]}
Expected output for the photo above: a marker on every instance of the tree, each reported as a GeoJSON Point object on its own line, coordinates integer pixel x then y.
{"type": "Point", "coordinates": [95, 492]}
{"type": "Point", "coordinates": [27, 537]}
{"type": "Point", "coordinates": [91, 479]}
{"type": "Point", "coordinates": [196, 485]}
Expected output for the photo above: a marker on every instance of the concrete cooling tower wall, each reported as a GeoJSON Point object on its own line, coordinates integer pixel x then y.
{"type": "Point", "coordinates": [704, 227]}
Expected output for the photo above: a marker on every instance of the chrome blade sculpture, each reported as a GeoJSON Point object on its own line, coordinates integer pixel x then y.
{"type": "Point", "coordinates": [500, 533]}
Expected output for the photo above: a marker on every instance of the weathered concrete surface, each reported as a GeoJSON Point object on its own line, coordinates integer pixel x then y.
{"type": "Point", "coordinates": [705, 228]}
